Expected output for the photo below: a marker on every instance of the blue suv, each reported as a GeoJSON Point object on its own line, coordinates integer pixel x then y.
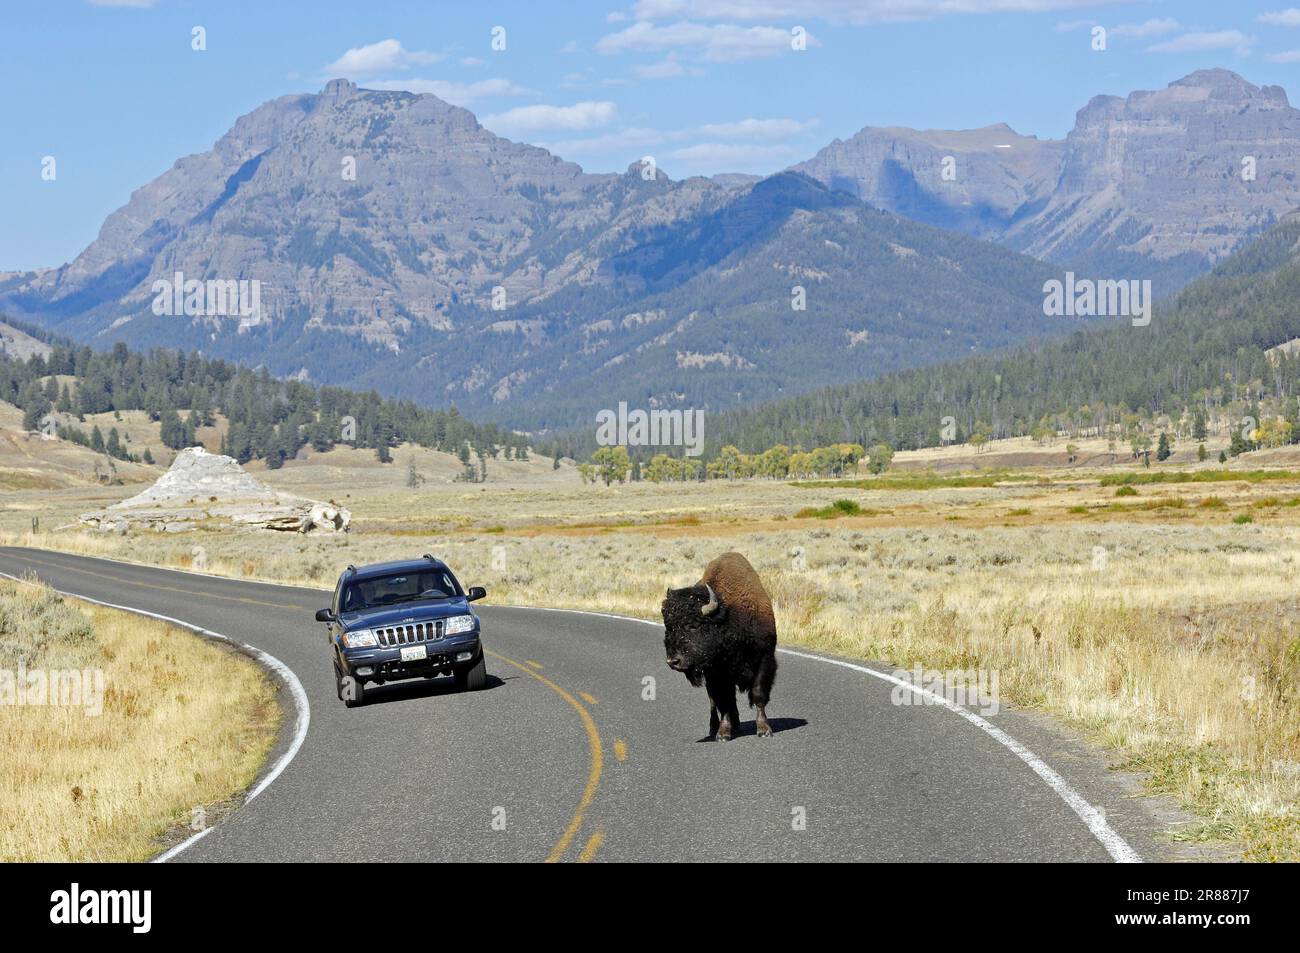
{"type": "Point", "coordinates": [399, 620]}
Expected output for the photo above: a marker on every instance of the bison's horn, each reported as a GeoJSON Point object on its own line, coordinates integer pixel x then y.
{"type": "Point", "coordinates": [712, 606]}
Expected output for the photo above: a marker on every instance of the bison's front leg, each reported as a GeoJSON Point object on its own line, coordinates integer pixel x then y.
{"type": "Point", "coordinates": [722, 695]}
{"type": "Point", "coordinates": [713, 718]}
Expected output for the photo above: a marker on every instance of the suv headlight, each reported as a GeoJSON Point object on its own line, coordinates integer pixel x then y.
{"type": "Point", "coordinates": [359, 639]}
{"type": "Point", "coordinates": [459, 623]}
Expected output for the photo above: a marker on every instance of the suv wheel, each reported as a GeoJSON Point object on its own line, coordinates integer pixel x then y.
{"type": "Point", "coordinates": [473, 679]}
{"type": "Point", "coordinates": [353, 691]}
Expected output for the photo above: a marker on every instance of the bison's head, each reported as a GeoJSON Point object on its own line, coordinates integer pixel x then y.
{"type": "Point", "coordinates": [691, 617]}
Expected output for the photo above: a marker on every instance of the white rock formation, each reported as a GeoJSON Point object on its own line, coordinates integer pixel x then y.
{"type": "Point", "coordinates": [202, 486]}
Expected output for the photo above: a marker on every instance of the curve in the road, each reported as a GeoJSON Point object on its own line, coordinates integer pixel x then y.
{"type": "Point", "coordinates": [1115, 845]}
{"type": "Point", "coordinates": [302, 715]}
{"type": "Point", "coordinates": [890, 784]}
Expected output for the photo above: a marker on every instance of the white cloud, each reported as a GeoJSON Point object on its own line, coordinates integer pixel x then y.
{"type": "Point", "coordinates": [732, 156]}
{"type": "Point", "coordinates": [665, 69]}
{"type": "Point", "coordinates": [757, 128]}
{"type": "Point", "coordinates": [471, 61]}
{"type": "Point", "coordinates": [1200, 42]}
{"type": "Point", "coordinates": [458, 94]}
{"type": "Point", "coordinates": [719, 42]}
{"type": "Point", "coordinates": [1288, 17]}
{"type": "Point", "coordinates": [1153, 27]}
{"type": "Point", "coordinates": [530, 119]}
{"type": "Point", "coordinates": [846, 11]}
{"type": "Point", "coordinates": [379, 58]}
{"type": "Point", "coordinates": [1286, 56]}
{"type": "Point", "coordinates": [640, 137]}
{"type": "Point", "coordinates": [612, 142]}
{"type": "Point", "coordinates": [1070, 26]}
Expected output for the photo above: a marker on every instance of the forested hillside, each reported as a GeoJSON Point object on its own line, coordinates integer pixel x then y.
{"type": "Point", "coordinates": [1203, 353]}
{"type": "Point", "coordinates": [268, 419]}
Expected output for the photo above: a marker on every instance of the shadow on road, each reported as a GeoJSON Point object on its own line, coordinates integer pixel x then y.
{"type": "Point", "coordinates": [423, 688]}
{"type": "Point", "coordinates": [748, 728]}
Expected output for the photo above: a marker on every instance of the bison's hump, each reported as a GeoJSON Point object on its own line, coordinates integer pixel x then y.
{"type": "Point", "coordinates": [734, 580]}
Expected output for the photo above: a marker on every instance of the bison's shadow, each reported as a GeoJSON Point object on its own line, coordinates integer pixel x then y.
{"type": "Point", "coordinates": [749, 728]}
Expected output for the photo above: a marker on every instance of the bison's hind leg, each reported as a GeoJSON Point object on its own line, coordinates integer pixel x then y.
{"type": "Point", "coordinates": [761, 692]}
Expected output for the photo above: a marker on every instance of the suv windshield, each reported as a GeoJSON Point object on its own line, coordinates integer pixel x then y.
{"type": "Point", "coordinates": [399, 587]}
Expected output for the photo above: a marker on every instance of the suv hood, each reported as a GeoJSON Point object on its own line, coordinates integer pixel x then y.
{"type": "Point", "coordinates": [405, 612]}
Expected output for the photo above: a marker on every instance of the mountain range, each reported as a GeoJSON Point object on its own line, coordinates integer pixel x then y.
{"type": "Point", "coordinates": [397, 244]}
{"type": "Point", "coordinates": [1158, 185]}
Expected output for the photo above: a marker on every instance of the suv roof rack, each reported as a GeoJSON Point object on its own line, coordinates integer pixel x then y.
{"type": "Point", "coordinates": [429, 556]}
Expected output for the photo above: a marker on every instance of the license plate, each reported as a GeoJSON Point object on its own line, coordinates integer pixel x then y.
{"type": "Point", "coordinates": [413, 653]}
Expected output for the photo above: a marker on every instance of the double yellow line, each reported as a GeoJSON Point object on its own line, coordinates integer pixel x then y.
{"type": "Point", "coordinates": [588, 723]}
{"type": "Point", "coordinates": [593, 776]}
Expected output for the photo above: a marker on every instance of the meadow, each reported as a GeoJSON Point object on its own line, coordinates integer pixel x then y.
{"type": "Point", "coordinates": [163, 739]}
{"type": "Point", "coordinates": [1160, 623]}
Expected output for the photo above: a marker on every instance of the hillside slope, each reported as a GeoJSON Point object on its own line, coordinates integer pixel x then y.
{"type": "Point", "coordinates": [1208, 349]}
{"type": "Point", "coordinates": [398, 244]}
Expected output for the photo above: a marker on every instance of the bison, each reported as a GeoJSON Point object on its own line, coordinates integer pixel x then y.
{"type": "Point", "coordinates": [721, 632]}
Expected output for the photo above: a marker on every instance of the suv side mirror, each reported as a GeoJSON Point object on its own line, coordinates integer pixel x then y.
{"type": "Point", "coordinates": [476, 593]}
{"type": "Point", "coordinates": [324, 615]}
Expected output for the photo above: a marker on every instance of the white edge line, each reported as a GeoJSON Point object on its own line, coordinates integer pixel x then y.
{"type": "Point", "coordinates": [1092, 817]}
{"type": "Point", "coordinates": [268, 661]}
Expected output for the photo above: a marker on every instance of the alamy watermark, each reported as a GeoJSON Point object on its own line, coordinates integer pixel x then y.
{"type": "Point", "coordinates": [970, 688]}
{"type": "Point", "coordinates": [654, 428]}
{"type": "Point", "coordinates": [1084, 297]}
{"type": "Point", "coordinates": [215, 297]}
{"type": "Point", "coordinates": [81, 688]}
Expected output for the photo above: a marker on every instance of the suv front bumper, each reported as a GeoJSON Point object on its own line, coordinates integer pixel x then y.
{"type": "Point", "coordinates": [443, 656]}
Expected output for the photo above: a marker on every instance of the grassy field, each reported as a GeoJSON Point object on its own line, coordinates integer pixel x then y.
{"type": "Point", "coordinates": [1164, 624]}
{"type": "Point", "coordinates": [165, 723]}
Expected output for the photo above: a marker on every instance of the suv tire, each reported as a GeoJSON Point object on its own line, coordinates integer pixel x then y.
{"type": "Point", "coordinates": [473, 679]}
{"type": "Point", "coordinates": [358, 692]}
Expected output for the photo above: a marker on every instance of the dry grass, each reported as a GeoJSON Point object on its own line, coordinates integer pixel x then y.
{"type": "Point", "coordinates": [1176, 648]}
{"type": "Point", "coordinates": [183, 724]}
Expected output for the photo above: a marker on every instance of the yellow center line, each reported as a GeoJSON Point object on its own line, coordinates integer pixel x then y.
{"type": "Point", "coordinates": [620, 749]}
{"type": "Point", "coordinates": [593, 845]}
{"type": "Point", "coordinates": [152, 586]}
{"type": "Point", "coordinates": [597, 762]}
{"type": "Point", "coordinates": [536, 665]}
{"type": "Point", "coordinates": [587, 698]}
{"type": "Point", "coordinates": [588, 723]}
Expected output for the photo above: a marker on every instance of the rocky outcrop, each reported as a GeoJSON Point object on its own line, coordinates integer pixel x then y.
{"type": "Point", "coordinates": [202, 487]}
{"type": "Point", "coordinates": [1154, 177]}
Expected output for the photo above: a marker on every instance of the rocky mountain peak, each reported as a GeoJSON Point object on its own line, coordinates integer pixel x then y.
{"type": "Point", "coordinates": [337, 90]}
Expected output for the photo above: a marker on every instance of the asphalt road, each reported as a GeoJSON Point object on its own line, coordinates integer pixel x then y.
{"type": "Point", "coordinates": [563, 757]}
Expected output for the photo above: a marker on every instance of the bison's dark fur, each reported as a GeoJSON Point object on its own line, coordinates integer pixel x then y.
{"type": "Point", "coordinates": [721, 633]}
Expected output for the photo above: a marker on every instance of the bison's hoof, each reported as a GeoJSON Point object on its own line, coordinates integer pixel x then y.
{"type": "Point", "coordinates": [723, 736]}
{"type": "Point", "coordinates": [765, 731]}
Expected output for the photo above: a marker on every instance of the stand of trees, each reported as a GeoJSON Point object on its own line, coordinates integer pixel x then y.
{"type": "Point", "coordinates": [1206, 356]}
{"type": "Point", "coordinates": [269, 419]}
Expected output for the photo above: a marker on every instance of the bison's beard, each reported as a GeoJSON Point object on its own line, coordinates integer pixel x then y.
{"type": "Point", "coordinates": [694, 675]}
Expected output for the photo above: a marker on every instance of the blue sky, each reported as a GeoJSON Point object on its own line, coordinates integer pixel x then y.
{"type": "Point", "coordinates": [113, 90]}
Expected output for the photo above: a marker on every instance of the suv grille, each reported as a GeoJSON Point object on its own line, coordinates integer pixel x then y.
{"type": "Point", "coordinates": [410, 634]}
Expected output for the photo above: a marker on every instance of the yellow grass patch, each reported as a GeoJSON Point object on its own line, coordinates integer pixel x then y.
{"type": "Point", "coordinates": [184, 725]}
